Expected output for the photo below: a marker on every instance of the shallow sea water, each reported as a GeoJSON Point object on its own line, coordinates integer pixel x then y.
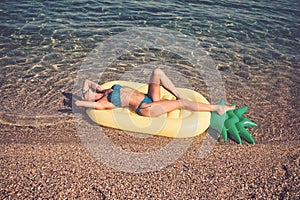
{"type": "Point", "coordinates": [254, 44]}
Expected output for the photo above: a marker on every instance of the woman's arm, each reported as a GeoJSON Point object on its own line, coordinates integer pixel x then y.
{"type": "Point", "coordinates": [87, 84]}
{"type": "Point", "coordinates": [96, 105]}
{"type": "Point", "coordinates": [90, 90]}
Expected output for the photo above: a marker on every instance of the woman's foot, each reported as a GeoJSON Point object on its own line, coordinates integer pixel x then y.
{"type": "Point", "coordinates": [222, 109]}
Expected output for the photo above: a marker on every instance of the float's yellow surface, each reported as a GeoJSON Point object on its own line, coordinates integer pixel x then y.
{"type": "Point", "coordinates": [175, 124]}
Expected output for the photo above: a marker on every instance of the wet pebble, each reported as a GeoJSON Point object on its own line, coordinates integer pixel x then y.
{"type": "Point", "coordinates": [52, 57]}
{"type": "Point", "coordinates": [242, 74]}
{"type": "Point", "coordinates": [223, 68]}
{"type": "Point", "coordinates": [249, 60]}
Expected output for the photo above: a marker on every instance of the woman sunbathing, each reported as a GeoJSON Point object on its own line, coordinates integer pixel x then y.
{"type": "Point", "coordinates": [150, 104]}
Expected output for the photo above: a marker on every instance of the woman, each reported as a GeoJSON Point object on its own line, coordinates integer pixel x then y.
{"type": "Point", "coordinates": [150, 105]}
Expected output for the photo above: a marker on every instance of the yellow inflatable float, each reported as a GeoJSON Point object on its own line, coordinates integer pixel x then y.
{"type": "Point", "coordinates": [175, 124]}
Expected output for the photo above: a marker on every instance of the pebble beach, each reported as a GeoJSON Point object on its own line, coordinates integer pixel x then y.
{"type": "Point", "coordinates": [47, 48]}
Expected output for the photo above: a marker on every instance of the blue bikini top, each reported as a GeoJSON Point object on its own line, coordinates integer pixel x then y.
{"type": "Point", "coordinates": [114, 96]}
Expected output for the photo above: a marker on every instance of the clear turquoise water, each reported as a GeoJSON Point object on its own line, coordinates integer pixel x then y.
{"type": "Point", "coordinates": [255, 45]}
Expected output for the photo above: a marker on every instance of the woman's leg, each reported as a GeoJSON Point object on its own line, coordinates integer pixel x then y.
{"type": "Point", "coordinates": [197, 106]}
{"type": "Point", "coordinates": [158, 78]}
{"type": "Point", "coordinates": [160, 107]}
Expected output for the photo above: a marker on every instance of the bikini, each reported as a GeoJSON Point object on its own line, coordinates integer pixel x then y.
{"type": "Point", "coordinates": [147, 100]}
{"type": "Point", "coordinates": [114, 98]}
